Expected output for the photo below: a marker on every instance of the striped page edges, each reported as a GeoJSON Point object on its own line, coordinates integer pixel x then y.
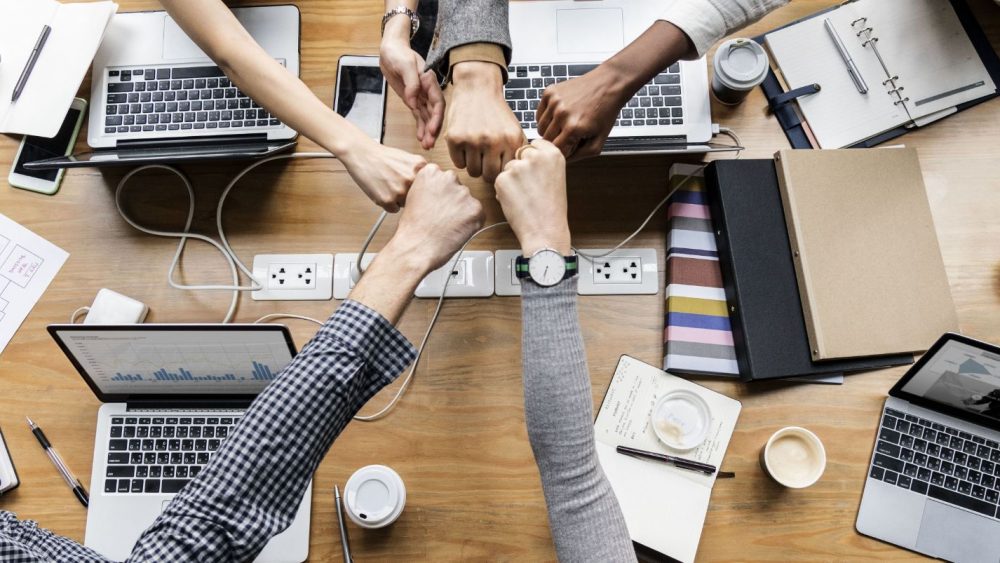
{"type": "Point", "coordinates": [697, 338]}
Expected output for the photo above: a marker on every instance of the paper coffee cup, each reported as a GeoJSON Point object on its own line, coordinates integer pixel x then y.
{"type": "Point", "coordinates": [794, 457]}
{"type": "Point", "coordinates": [374, 496]}
{"type": "Point", "coordinates": [740, 65]}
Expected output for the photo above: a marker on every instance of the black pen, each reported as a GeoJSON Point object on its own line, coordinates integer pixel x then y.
{"type": "Point", "coordinates": [32, 59]}
{"type": "Point", "coordinates": [678, 462]}
{"type": "Point", "coordinates": [67, 476]}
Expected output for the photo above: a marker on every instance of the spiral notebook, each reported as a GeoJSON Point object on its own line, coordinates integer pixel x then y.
{"type": "Point", "coordinates": [915, 56]}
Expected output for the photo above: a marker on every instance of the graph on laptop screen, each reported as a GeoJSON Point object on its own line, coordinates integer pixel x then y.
{"type": "Point", "coordinates": [179, 361]}
{"type": "Point", "coordinates": [963, 377]}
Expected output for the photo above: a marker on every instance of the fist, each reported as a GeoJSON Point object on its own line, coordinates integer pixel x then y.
{"type": "Point", "coordinates": [532, 192]}
{"type": "Point", "coordinates": [440, 215]}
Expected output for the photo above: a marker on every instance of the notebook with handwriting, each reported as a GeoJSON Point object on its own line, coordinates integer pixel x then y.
{"type": "Point", "coordinates": [915, 56]}
{"type": "Point", "coordinates": [664, 507]}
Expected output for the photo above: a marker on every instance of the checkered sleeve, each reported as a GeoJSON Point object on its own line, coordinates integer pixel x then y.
{"type": "Point", "coordinates": [22, 541]}
{"type": "Point", "coordinates": [252, 488]}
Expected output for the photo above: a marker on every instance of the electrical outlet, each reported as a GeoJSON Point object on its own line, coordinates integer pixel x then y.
{"type": "Point", "coordinates": [471, 276]}
{"type": "Point", "coordinates": [293, 277]}
{"type": "Point", "coordinates": [506, 281]}
{"type": "Point", "coordinates": [627, 271]}
{"type": "Point", "coordinates": [345, 272]}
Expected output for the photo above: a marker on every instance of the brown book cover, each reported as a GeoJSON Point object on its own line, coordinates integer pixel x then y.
{"type": "Point", "coordinates": [866, 255]}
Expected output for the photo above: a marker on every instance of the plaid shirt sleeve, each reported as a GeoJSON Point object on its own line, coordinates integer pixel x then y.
{"type": "Point", "coordinates": [231, 510]}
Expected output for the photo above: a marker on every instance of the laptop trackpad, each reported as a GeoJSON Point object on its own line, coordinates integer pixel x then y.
{"type": "Point", "coordinates": [176, 43]}
{"type": "Point", "coordinates": [590, 30]}
{"type": "Point", "coordinates": [956, 535]}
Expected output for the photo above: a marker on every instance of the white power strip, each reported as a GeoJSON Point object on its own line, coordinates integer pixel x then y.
{"type": "Point", "coordinates": [472, 276]}
{"type": "Point", "coordinates": [628, 271]}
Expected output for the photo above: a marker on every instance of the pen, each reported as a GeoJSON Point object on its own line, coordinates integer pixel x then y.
{"type": "Point", "coordinates": [30, 65]}
{"type": "Point", "coordinates": [852, 68]}
{"type": "Point", "coordinates": [678, 462]}
{"type": "Point", "coordinates": [343, 528]}
{"type": "Point", "coordinates": [67, 476]}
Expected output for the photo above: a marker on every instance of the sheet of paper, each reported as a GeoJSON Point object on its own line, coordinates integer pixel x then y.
{"type": "Point", "coordinates": [624, 419]}
{"type": "Point", "coordinates": [664, 507]}
{"type": "Point", "coordinates": [28, 263]}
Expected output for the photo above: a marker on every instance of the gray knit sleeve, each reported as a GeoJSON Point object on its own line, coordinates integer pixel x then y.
{"type": "Point", "coordinates": [460, 22]}
{"type": "Point", "coordinates": [586, 521]}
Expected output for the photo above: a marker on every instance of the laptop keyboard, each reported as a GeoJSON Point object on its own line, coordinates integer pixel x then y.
{"type": "Point", "coordinates": [179, 99]}
{"type": "Point", "coordinates": [154, 454]}
{"type": "Point", "coordinates": [941, 462]}
{"type": "Point", "coordinates": [657, 103]}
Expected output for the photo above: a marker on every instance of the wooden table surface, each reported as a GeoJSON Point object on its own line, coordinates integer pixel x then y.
{"type": "Point", "coordinates": [458, 437]}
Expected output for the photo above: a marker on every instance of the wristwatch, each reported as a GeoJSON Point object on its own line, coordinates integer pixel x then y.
{"type": "Point", "coordinates": [414, 20]}
{"type": "Point", "coordinates": [546, 267]}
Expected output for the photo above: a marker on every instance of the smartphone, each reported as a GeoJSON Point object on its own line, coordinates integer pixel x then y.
{"type": "Point", "coordinates": [38, 148]}
{"type": "Point", "coordinates": [360, 94]}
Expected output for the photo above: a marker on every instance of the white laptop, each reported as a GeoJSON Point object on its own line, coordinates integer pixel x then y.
{"type": "Point", "coordinates": [934, 481]}
{"type": "Point", "coordinates": [556, 40]}
{"type": "Point", "coordinates": [156, 97]}
{"type": "Point", "coordinates": [171, 395]}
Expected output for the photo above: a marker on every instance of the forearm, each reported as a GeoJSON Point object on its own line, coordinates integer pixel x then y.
{"type": "Point", "coordinates": [253, 486]}
{"type": "Point", "coordinates": [586, 521]}
{"type": "Point", "coordinates": [706, 21]}
{"type": "Point", "coordinates": [657, 48]}
{"type": "Point", "coordinates": [23, 540]}
{"type": "Point", "coordinates": [216, 30]}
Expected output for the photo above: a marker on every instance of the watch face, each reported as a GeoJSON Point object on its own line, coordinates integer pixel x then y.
{"type": "Point", "coordinates": [547, 268]}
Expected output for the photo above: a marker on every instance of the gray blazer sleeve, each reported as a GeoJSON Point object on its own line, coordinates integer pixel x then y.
{"type": "Point", "coordinates": [468, 21]}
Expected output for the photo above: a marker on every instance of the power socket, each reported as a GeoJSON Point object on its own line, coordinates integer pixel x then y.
{"type": "Point", "coordinates": [627, 271]}
{"type": "Point", "coordinates": [293, 277]}
{"type": "Point", "coordinates": [345, 271]}
{"type": "Point", "coordinates": [505, 280]}
{"type": "Point", "coordinates": [472, 276]}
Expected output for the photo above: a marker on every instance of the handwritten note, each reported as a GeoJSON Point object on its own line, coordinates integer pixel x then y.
{"type": "Point", "coordinates": [28, 263]}
{"type": "Point", "coordinates": [624, 418]}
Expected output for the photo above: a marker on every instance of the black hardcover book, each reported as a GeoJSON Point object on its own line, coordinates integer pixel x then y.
{"type": "Point", "coordinates": [769, 330]}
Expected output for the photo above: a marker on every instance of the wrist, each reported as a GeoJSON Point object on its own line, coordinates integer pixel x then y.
{"type": "Point", "coordinates": [397, 28]}
{"type": "Point", "coordinates": [410, 260]}
{"type": "Point", "coordinates": [556, 239]}
{"type": "Point", "coordinates": [477, 74]}
{"type": "Point", "coordinates": [348, 142]}
{"type": "Point", "coordinates": [619, 79]}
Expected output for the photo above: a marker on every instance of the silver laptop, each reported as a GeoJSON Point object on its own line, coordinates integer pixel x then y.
{"type": "Point", "coordinates": [557, 40]}
{"type": "Point", "coordinates": [157, 97]}
{"type": "Point", "coordinates": [171, 394]}
{"type": "Point", "coordinates": [934, 481]}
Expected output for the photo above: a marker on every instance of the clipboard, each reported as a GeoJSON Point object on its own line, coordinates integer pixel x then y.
{"type": "Point", "coordinates": [780, 100]}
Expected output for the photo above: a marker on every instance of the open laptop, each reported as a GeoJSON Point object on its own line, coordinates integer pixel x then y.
{"type": "Point", "coordinates": [934, 481]}
{"type": "Point", "coordinates": [171, 394]}
{"type": "Point", "coordinates": [156, 97]}
{"type": "Point", "coordinates": [557, 40]}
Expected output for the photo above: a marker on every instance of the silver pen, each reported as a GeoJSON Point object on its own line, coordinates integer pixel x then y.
{"type": "Point", "coordinates": [852, 68]}
{"type": "Point", "coordinates": [343, 527]}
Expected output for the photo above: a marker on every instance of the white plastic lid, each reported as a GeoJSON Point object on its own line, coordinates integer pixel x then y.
{"type": "Point", "coordinates": [374, 496]}
{"type": "Point", "coordinates": [740, 63]}
{"type": "Point", "coordinates": [681, 419]}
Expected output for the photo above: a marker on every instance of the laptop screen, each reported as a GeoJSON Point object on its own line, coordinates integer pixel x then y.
{"type": "Point", "coordinates": [961, 376]}
{"type": "Point", "coordinates": [148, 361]}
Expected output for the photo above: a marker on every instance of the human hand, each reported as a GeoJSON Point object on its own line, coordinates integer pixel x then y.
{"type": "Point", "coordinates": [404, 70]}
{"type": "Point", "coordinates": [578, 114]}
{"type": "Point", "coordinates": [439, 217]}
{"type": "Point", "coordinates": [532, 192]}
{"type": "Point", "coordinates": [383, 173]}
{"type": "Point", "coordinates": [482, 133]}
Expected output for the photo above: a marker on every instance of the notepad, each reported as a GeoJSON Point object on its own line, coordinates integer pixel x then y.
{"type": "Point", "coordinates": [664, 507]}
{"type": "Point", "coordinates": [77, 30]}
{"type": "Point", "coordinates": [870, 274]}
{"type": "Point", "coordinates": [914, 55]}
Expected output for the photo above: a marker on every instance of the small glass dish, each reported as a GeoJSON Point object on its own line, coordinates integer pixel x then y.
{"type": "Point", "coordinates": [681, 420]}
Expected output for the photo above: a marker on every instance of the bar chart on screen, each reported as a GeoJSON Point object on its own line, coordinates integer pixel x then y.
{"type": "Point", "coordinates": [172, 361]}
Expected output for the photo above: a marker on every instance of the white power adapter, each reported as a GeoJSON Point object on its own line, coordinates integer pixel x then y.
{"type": "Point", "coordinates": [113, 308]}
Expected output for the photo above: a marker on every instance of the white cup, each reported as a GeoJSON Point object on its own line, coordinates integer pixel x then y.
{"type": "Point", "coordinates": [374, 496]}
{"type": "Point", "coordinates": [740, 66]}
{"type": "Point", "coordinates": [794, 457]}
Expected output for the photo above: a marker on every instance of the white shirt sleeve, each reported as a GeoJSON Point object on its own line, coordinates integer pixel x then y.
{"type": "Point", "coordinates": [707, 21]}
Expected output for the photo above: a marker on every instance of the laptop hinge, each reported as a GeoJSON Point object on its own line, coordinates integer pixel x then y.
{"type": "Point", "coordinates": [639, 143]}
{"type": "Point", "coordinates": [188, 404]}
{"type": "Point", "coordinates": [191, 141]}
